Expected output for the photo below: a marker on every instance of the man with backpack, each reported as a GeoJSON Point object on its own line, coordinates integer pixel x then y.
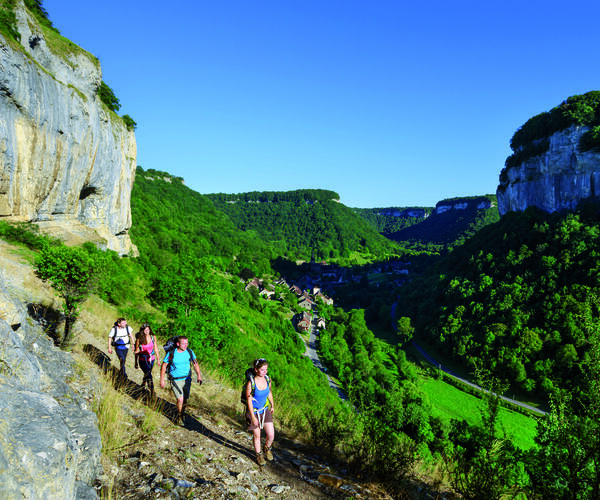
{"type": "Point", "coordinates": [177, 361]}
{"type": "Point", "coordinates": [121, 337]}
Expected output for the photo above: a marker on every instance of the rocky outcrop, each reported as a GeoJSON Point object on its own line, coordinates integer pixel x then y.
{"type": "Point", "coordinates": [478, 203]}
{"type": "Point", "coordinates": [555, 180]}
{"type": "Point", "coordinates": [66, 161]}
{"type": "Point", "coordinates": [406, 212]}
{"type": "Point", "coordinates": [49, 441]}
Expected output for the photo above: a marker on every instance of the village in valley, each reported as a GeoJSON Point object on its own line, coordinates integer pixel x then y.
{"type": "Point", "coordinates": [320, 282]}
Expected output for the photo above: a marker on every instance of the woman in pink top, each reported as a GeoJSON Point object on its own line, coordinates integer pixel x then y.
{"type": "Point", "coordinates": [146, 351]}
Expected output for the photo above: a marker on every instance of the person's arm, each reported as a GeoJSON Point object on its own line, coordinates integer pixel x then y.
{"type": "Point", "coordinates": [136, 352]}
{"type": "Point", "coordinates": [249, 402]}
{"type": "Point", "coordinates": [163, 371]}
{"type": "Point", "coordinates": [131, 339]}
{"type": "Point", "coordinates": [110, 342]}
{"type": "Point", "coordinates": [156, 352]}
{"type": "Point", "coordinates": [197, 370]}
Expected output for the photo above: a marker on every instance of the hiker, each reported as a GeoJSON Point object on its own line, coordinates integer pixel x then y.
{"type": "Point", "coordinates": [121, 337]}
{"type": "Point", "coordinates": [260, 409]}
{"type": "Point", "coordinates": [178, 361]}
{"type": "Point", "coordinates": [146, 352]}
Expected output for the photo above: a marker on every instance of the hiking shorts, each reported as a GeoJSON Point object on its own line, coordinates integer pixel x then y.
{"type": "Point", "coordinates": [268, 419]}
{"type": "Point", "coordinates": [181, 387]}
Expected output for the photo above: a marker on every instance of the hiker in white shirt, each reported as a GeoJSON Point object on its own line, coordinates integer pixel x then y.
{"type": "Point", "coordinates": [121, 337]}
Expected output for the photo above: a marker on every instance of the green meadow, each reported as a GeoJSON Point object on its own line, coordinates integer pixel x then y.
{"type": "Point", "coordinates": [449, 402]}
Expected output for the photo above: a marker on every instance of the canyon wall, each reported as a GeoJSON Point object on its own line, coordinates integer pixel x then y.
{"type": "Point", "coordinates": [67, 162]}
{"type": "Point", "coordinates": [555, 180]}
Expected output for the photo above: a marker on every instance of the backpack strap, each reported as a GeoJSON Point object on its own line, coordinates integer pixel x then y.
{"type": "Point", "coordinates": [115, 336]}
{"type": "Point", "coordinates": [172, 355]}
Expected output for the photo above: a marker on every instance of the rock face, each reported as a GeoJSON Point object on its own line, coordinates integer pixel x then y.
{"type": "Point", "coordinates": [407, 212]}
{"type": "Point", "coordinates": [66, 160]}
{"type": "Point", "coordinates": [479, 203]}
{"type": "Point", "coordinates": [49, 441]}
{"type": "Point", "coordinates": [556, 180]}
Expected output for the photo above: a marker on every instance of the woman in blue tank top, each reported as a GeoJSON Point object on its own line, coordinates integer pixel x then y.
{"type": "Point", "coordinates": [260, 409]}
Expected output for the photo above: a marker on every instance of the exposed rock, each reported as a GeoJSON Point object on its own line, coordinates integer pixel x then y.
{"type": "Point", "coordinates": [406, 212]}
{"type": "Point", "coordinates": [49, 440]}
{"type": "Point", "coordinates": [279, 488]}
{"type": "Point", "coordinates": [555, 180]}
{"type": "Point", "coordinates": [329, 480]}
{"type": "Point", "coordinates": [479, 203]}
{"type": "Point", "coordinates": [66, 161]}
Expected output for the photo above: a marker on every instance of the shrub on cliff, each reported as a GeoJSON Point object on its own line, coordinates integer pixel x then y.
{"type": "Point", "coordinates": [108, 97]}
{"type": "Point", "coordinates": [129, 122]}
{"type": "Point", "coordinates": [531, 138]}
{"type": "Point", "coordinates": [23, 232]}
{"type": "Point", "coordinates": [72, 272]}
{"type": "Point", "coordinates": [36, 7]}
{"type": "Point", "coordinates": [8, 20]}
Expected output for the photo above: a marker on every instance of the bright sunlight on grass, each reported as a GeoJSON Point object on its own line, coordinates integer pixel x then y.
{"type": "Point", "coordinates": [449, 402]}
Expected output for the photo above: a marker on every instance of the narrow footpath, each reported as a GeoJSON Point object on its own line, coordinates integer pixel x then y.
{"type": "Point", "coordinates": [311, 352]}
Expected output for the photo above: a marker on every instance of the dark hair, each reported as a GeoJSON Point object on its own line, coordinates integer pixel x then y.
{"type": "Point", "coordinates": [119, 320]}
{"type": "Point", "coordinates": [257, 364]}
{"type": "Point", "coordinates": [140, 335]}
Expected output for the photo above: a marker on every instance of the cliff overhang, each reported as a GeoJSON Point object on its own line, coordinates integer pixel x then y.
{"type": "Point", "coordinates": [67, 162]}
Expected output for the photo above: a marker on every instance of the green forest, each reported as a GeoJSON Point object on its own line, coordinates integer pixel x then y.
{"type": "Point", "coordinates": [303, 223]}
{"type": "Point", "coordinates": [386, 223]}
{"type": "Point", "coordinates": [516, 304]}
{"type": "Point", "coordinates": [520, 298]}
{"type": "Point", "coordinates": [512, 303]}
{"type": "Point", "coordinates": [441, 232]}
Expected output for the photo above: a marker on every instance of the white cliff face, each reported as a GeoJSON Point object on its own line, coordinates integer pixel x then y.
{"type": "Point", "coordinates": [444, 206]}
{"type": "Point", "coordinates": [66, 161]}
{"type": "Point", "coordinates": [556, 180]}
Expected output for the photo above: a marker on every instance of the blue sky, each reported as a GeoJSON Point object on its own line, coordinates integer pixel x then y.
{"type": "Point", "coordinates": [388, 103]}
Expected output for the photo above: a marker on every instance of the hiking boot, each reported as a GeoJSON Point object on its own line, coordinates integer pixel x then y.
{"type": "Point", "coordinates": [268, 454]}
{"type": "Point", "coordinates": [260, 459]}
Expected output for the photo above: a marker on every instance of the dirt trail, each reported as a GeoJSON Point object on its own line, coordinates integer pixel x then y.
{"type": "Point", "coordinates": [211, 457]}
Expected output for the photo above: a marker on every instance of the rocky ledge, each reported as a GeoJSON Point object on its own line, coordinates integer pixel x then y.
{"type": "Point", "coordinates": [65, 158]}
{"type": "Point", "coordinates": [49, 440]}
{"type": "Point", "coordinates": [555, 180]}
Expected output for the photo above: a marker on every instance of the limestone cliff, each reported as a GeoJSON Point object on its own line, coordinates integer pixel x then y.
{"type": "Point", "coordinates": [474, 202]}
{"type": "Point", "coordinates": [49, 439]}
{"type": "Point", "coordinates": [557, 179]}
{"type": "Point", "coordinates": [66, 161]}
